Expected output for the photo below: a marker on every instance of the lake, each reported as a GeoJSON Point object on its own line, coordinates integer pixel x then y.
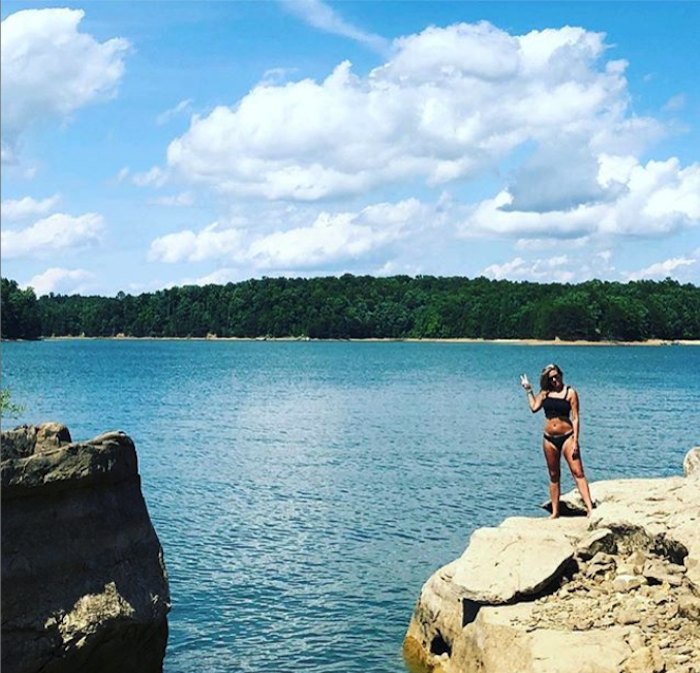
{"type": "Point", "coordinates": [304, 491]}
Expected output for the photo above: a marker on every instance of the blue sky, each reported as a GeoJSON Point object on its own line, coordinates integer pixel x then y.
{"type": "Point", "coordinates": [151, 144]}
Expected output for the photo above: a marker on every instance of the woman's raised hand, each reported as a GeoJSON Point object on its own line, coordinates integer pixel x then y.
{"type": "Point", "coordinates": [524, 382]}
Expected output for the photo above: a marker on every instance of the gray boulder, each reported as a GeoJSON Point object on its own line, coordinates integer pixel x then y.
{"type": "Point", "coordinates": [84, 585]}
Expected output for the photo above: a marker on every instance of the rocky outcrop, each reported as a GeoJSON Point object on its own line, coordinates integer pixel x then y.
{"type": "Point", "coordinates": [84, 586]}
{"type": "Point", "coordinates": [617, 593]}
{"type": "Point", "coordinates": [691, 464]}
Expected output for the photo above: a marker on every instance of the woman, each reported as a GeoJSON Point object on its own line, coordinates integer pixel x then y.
{"type": "Point", "coordinates": [561, 431]}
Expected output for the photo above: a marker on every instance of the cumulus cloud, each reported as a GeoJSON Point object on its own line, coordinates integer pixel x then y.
{"type": "Point", "coordinates": [319, 15]}
{"type": "Point", "coordinates": [218, 277]}
{"type": "Point", "coordinates": [212, 242]}
{"type": "Point", "coordinates": [559, 175]}
{"type": "Point", "coordinates": [330, 238]}
{"type": "Point", "coordinates": [50, 69]}
{"type": "Point", "coordinates": [394, 268]}
{"type": "Point", "coordinates": [63, 281]}
{"type": "Point", "coordinates": [20, 209]}
{"type": "Point", "coordinates": [52, 234]}
{"type": "Point", "coordinates": [661, 270]}
{"type": "Point", "coordinates": [575, 266]}
{"type": "Point", "coordinates": [654, 199]}
{"type": "Point", "coordinates": [451, 103]}
{"type": "Point", "coordinates": [277, 75]}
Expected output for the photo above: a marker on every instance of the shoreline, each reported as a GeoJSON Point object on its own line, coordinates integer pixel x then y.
{"type": "Point", "coordinates": [456, 340]}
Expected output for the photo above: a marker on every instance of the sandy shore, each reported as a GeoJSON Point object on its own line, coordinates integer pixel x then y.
{"type": "Point", "coordinates": [513, 342]}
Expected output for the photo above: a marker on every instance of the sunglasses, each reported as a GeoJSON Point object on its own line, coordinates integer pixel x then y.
{"type": "Point", "coordinates": [553, 377]}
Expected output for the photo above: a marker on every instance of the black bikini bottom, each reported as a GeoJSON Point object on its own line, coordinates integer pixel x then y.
{"type": "Point", "coordinates": [558, 440]}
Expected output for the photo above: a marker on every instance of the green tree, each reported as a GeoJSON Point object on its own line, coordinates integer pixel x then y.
{"type": "Point", "coordinates": [7, 407]}
{"type": "Point", "coordinates": [364, 306]}
{"type": "Point", "coordinates": [19, 317]}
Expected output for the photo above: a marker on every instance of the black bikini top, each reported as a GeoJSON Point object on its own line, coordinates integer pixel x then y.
{"type": "Point", "coordinates": [557, 407]}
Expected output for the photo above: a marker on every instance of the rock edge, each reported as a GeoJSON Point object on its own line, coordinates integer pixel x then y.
{"type": "Point", "coordinates": [84, 584]}
{"type": "Point", "coordinates": [617, 593]}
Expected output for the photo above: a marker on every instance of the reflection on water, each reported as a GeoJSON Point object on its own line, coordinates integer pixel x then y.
{"type": "Point", "coordinates": [303, 492]}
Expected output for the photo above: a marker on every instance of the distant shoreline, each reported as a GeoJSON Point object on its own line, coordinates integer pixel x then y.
{"type": "Point", "coordinates": [459, 340]}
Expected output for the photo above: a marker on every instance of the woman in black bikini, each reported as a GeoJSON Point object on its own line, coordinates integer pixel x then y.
{"type": "Point", "coordinates": [561, 431]}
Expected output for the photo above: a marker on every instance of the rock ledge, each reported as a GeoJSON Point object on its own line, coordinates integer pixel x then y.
{"type": "Point", "coordinates": [617, 593]}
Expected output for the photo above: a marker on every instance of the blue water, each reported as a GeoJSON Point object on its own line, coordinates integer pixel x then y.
{"type": "Point", "coordinates": [303, 491]}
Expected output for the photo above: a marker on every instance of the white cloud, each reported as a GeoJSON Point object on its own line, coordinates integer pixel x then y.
{"type": "Point", "coordinates": [641, 200]}
{"type": "Point", "coordinates": [213, 242]}
{"type": "Point", "coordinates": [182, 106]}
{"type": "Point", "coordinates": [451, 103]}
{"type": "Point", "coordinates": [575, 266]}
{"type": "Point", "coordinates": [19, 209]}
{"type": "Point", "coordinates": [539, 244]}
{"type": "Point", "coordinates": [478, 51]}
{"type": "Point", "coordinates": [52, 234]}
{"type": "Point", "coordinates": [675, 103]}
{"type": "Point", "coordinates": [8, 156]}
{"type": "Point", "coordinates": [154, 177]}
{"type": "Point", "coordinates": [394, 268]}
{"type": "Point", "coordinates": [181, 200]}
{"type": "Point", "coordinates": [330, 238]}
{"type": "Point", "coordinates": [661, 270]}
{"type": "Point", "coordinates": [319, 15]}
{"type": "Point", "coordinates": [516, 266]}
{"type": "Point", "coordinates": [218, 277]}
{"type": "Point", "coordinates": [63, 281]}
{"type": "Point", "coordinates": [585, 264]}
{"type": "Point", "coordinates": [555, 269]}
{"type": "Point", "coordinates": [495, 216]}
{"type": "Point", "coordinates": [123, 174]}
{"type": "Point", "coordinates": [277, 75]}
{"type": "Point", "coordinates": [50, 69]}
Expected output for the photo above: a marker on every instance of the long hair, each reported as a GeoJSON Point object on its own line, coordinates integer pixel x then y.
{"type": "Point", "coordinates": [544, 376]}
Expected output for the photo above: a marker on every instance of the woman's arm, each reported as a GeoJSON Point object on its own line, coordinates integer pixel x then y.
{"type": "Point", "coordinates": [535, 401]}
{"type": "Point", "coordinates": [575, 418]}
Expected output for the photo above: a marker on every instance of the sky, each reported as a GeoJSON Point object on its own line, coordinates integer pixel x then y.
{"type": "Point", "coordinates": [154, 144]}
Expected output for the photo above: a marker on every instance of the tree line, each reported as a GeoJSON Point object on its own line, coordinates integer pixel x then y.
{"type": "Point", "coordinates": [367, 307]}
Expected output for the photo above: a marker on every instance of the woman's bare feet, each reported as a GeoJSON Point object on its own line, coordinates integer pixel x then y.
{"type": "Point", "coordinates": [554, 515]}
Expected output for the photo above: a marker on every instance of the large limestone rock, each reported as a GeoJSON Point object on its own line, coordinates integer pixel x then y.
{"type": "Point", "coordinates": [511, 562]}
{"type": "Point", "coordinates": [84, 586]}
{"type": "Point", "coordinates": [619, 592]}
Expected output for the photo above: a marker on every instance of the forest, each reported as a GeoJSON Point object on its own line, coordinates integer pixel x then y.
{"type": "Point", "coordinates": [360, 307]}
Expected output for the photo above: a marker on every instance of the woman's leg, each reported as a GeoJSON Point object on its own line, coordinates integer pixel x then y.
{"type": "Point", "coordinates": [573, 458]}
{"type": "Point", "coordinates": [553, 458]}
